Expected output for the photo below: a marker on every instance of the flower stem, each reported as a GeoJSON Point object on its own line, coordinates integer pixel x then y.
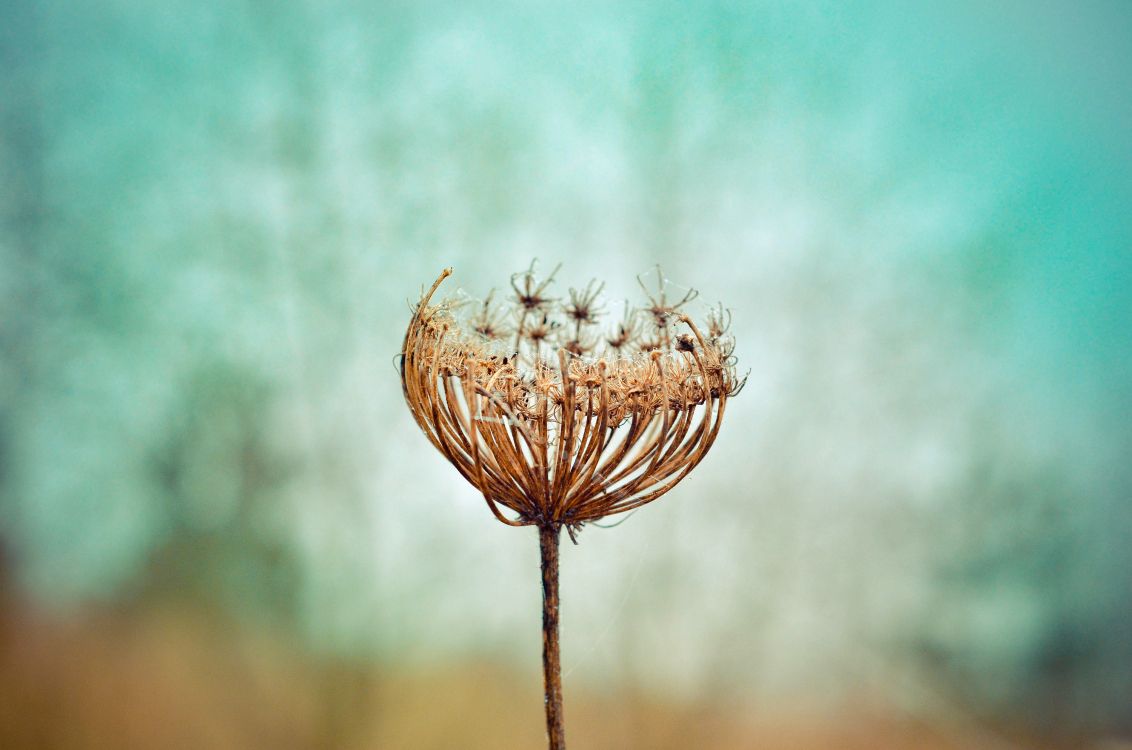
{"type": "Point", "coordinates": [552, 671]}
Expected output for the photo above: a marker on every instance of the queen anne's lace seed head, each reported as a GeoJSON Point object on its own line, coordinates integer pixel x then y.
{"type": "Point", "coordinates": [570, 424]}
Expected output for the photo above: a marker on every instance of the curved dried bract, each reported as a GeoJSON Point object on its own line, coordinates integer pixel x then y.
{"type": "Point", "coordinates": [560, 431]}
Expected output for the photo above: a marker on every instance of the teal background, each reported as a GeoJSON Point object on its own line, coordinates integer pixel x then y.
{"type": "Point", "coordinates": [214, 216]}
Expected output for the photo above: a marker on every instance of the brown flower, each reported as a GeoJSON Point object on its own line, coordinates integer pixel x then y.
{"type": "Point", "coordinates": [558, 433]}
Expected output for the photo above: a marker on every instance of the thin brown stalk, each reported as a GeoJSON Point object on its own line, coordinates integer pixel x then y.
{"type": "Point", "coordinates": [548, 537]}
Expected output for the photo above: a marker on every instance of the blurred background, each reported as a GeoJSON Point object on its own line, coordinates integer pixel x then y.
{"type": "Point", "coordinates": [220, 527]}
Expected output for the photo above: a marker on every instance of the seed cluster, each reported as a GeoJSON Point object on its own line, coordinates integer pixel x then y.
{"type": "Point", "coordinates": [555, 419]}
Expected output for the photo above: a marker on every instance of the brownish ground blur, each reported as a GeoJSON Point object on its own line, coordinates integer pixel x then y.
{"type": "Point", "coordinates": [175, 676]}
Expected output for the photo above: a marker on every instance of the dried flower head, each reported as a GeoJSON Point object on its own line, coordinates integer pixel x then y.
{"type": "Point", "coordinates": [561, 431]}
{"type": "Point", "coordinates": [567, 426]}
